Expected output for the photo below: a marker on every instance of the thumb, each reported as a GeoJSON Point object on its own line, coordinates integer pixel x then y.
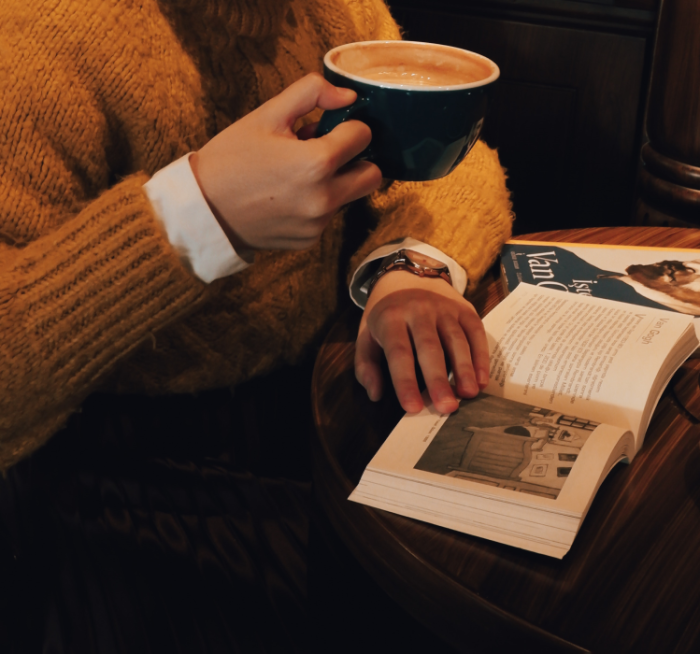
{"type": "Point", "coordinates": [304, 96]}
{"type": "Point", "coordinates": [368, 356]}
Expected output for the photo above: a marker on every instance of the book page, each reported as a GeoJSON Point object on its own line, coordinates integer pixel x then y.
{"type": "Point", "coordinates": [590, 357]}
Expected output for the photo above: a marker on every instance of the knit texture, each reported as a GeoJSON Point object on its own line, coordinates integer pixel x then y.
{"type": "Point", "coordinates": [97, 95]}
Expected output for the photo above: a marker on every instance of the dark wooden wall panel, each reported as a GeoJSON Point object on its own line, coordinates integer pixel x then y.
{"type": "Point", "coordinates": [670, 161]}
{"type": "Point", "coordinates": [567, 113]}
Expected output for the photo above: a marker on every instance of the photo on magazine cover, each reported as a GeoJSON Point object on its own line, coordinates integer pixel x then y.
{"type": "Point", "coordinates": [665, 279]}
{"type": "Point", "coordinates": [507, 444]}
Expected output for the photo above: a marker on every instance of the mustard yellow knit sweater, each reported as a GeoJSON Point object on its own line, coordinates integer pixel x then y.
{"type": "Point", "coordinates": [97, 95]}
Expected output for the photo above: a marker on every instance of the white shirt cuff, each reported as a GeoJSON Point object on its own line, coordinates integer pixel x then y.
{"type": "Point", "coordinates": [191, 227]}
{"type": "Point", "coordinates": [363, 274]}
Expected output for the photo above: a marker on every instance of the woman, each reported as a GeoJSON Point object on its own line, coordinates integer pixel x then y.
{"type": "Point", "coordinates": [218, 269]}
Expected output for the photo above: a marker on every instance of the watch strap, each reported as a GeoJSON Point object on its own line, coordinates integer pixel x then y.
{"type": "Point", "coordinates": [400, 260]}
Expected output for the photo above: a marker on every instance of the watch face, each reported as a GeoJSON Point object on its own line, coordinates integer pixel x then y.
{"type": "Point", "coordinates": [423, 259]}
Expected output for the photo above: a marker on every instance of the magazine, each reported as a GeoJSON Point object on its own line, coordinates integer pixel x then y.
{"type": "Point", "coordinates": [664, 278]}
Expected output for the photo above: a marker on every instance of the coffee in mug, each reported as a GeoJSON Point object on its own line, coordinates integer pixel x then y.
{"type": "Point", "coordinates": [425, 103]}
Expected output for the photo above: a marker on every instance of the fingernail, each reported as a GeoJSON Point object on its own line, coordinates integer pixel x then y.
{"type": "Point", "coordinates": [370, 388]}
{"type": "Point", "coordinates": [413, 406]}
{"type": "Point", "coordinates": [483, 378]}
{"type": "Point", "coordinates": [448, 405]}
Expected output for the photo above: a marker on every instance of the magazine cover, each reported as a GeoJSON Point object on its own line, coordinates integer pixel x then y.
{"type": "Point", "coordinates": [656, 277]}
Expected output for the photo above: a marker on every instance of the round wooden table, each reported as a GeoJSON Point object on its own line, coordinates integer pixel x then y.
{"type": "Point", "coordinates": [631, 581]}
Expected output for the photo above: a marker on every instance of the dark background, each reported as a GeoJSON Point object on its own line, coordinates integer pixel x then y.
{"type": "Point", "coordinates": [567, 116]}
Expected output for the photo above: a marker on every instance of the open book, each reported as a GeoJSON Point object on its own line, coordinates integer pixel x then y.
{"type": "Point", "coordinates": [573, 383]}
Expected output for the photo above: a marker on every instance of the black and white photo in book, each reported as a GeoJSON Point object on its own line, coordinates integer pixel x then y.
{"type": "Point", "coordinates": [506, 444]}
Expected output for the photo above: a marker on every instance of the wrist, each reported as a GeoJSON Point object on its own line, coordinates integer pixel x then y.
{"type": "Point", "coordinates": [244, 250]}
{"type": "Point", "coordinates": [413, 263]}
{"type": "Point", "coordinates": [405, 286]}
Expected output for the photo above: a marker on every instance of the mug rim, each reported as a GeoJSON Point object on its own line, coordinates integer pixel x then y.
{"type": "Point", "coordinates": [411, 87]}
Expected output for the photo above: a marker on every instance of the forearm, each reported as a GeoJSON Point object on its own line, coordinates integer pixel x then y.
{"type": "Point", "coordinates": [75, 302]}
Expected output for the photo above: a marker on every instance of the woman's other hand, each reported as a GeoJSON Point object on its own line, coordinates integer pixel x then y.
{"type": "Point", "coordinates": [409, 317]}
{"type": "Point", "coordinates": [272, 188]}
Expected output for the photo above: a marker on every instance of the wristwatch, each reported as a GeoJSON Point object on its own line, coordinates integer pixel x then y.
{"type": "Point", "coordinates": [412, 261]}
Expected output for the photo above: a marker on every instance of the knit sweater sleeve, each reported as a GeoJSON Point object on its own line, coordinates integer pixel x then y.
{"type": "Point", "coordinates": [86, 273]}
{"type": "Point", "coordinates": [467, 214]}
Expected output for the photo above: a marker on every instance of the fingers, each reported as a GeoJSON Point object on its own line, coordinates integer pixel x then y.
{"type": "Point", "coordinates": [334, 150]}
{"type": "Point", "coordinates": [402, 368]}
{"type": "Point", "coordinates": [458, 352]}
{"type": "Point", "coordinates": [322, 204]}
{"type": "Point", "coordinates": [368, 356]}
{"type": "Point", "coordinates": [305, 95]}
{"type": "Point", "coordinates": [431, 358]}
{"type": "Point", "coordinates": [423, 320]}
{"type": "Point", "coordinates": [479, 347]}
{"type": "Point", "coordinates": [344, 142]}
{"type": "Point", "coordinates": [465, 343]}
{"type": "Point", "coordinates": [306, 132]}
{"type": "Point", "coordinates": [355, 181]}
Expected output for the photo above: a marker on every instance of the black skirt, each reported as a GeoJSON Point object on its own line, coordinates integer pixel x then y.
{"type": "Point", "coordinates": [174, 524]}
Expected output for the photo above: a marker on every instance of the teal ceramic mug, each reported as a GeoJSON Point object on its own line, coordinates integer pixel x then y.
{"type": "Point", "coordinates": [424, 102]}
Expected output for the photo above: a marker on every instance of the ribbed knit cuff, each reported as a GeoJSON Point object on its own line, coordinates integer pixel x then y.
{"type": "Point", "coordinates": [81, 299]}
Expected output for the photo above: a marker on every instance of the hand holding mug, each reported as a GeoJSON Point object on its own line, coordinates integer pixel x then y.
{"type": "Point", "coordinates": [270, 188]}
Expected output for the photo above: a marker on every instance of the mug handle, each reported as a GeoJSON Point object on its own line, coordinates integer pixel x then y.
{"type": "Point", "coordinates": [333, 117]}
